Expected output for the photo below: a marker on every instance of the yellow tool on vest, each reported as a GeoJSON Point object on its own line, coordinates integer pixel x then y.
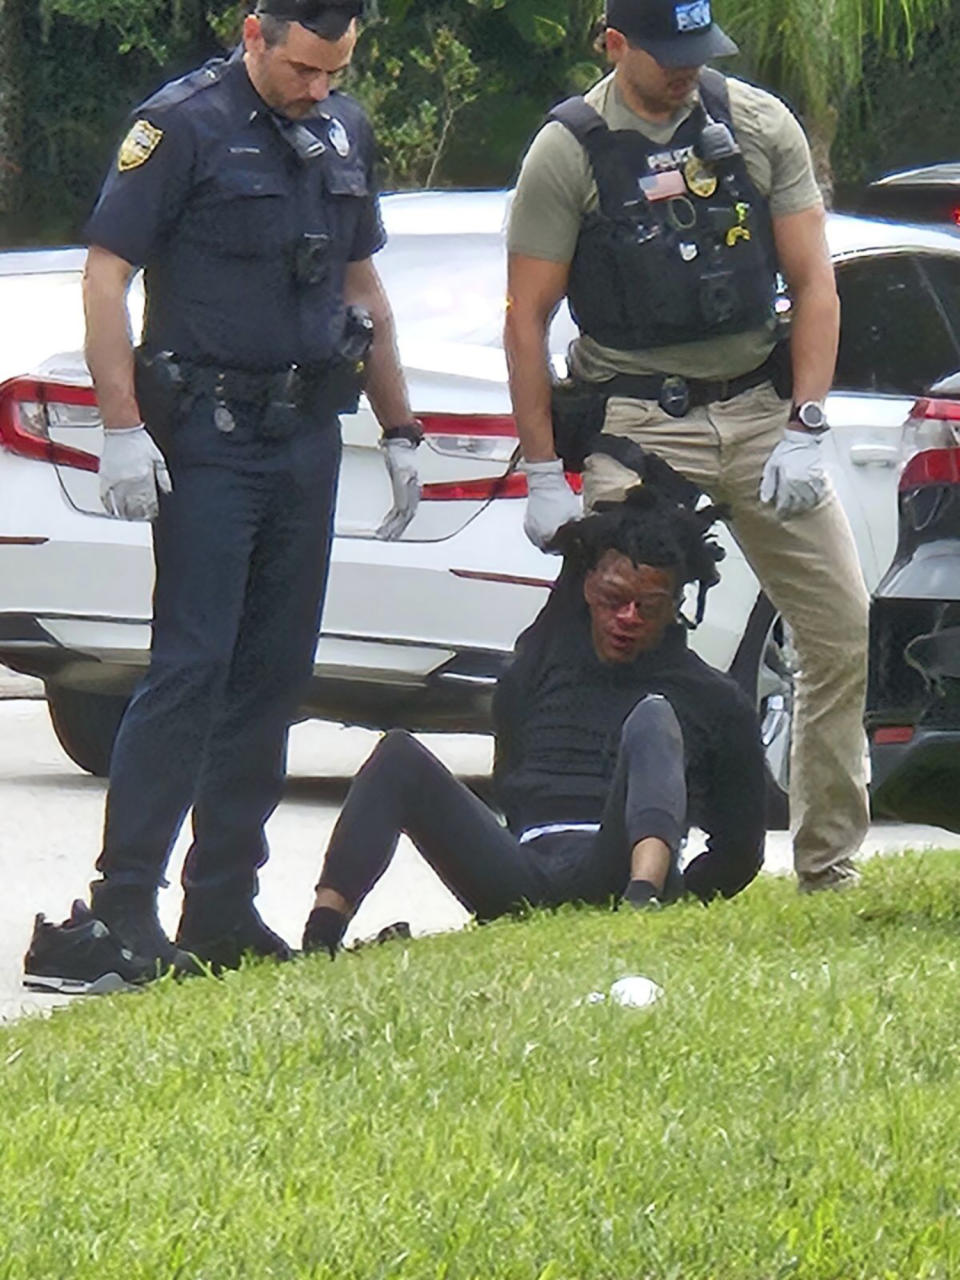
{"type": "Point", "coordinates": [740, 231]}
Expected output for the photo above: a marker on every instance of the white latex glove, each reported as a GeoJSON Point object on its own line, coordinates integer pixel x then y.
{"type": "Point", "coordinates": [132, 469]}
{"type": "Point", "coordinates": [401, 459]}
{"type": "Point", "coordinates": [793, 476]}
{"type": "Point", "coordinates": [551, 501]}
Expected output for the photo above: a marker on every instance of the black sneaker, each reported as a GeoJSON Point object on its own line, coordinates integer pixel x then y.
{"type": "Point", "coordinates": [399, 931]}
{"type": "Point", "coordinates": [130, 913]}
{"type": "Point", "coordinates": [81, 957]}
{"type": "Point", "coordinates": [225, 947]}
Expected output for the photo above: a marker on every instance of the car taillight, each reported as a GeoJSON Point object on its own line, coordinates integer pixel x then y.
{"type": "Point", "coordinates": [513, 485]}
{"type": "Point", "coordinates": [955, 215]}
{"type": "Point", "coordinates": [932, 467]}
{"type": "Point", "coordinates": [29, 409]}
{"type": "Point", "coordinates": [489, 436]}
{"type": "Point", "coordinates": [886, 735]}
{"type": "Point", "coordinates": [931, 409]}
{"type": "Point", "coordinates": [468, 424]}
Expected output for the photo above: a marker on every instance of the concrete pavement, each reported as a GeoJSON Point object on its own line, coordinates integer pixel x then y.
{"type": "Point", "coordinates": [14, 685]}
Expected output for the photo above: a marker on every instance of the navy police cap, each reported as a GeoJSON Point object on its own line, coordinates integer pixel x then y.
{"type": "Point", "coordinates": [677, 33]}
{"type": "Point", "coordinates": [328, 19]}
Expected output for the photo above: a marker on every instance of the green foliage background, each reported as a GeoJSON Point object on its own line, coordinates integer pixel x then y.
{"type": "Point", "coordinates": [456, 88]}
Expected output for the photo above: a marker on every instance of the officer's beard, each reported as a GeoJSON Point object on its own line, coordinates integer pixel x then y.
{"type": "Point", "coordinates": [675, 92]}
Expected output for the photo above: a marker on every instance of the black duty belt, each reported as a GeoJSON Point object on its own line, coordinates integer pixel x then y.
{"type": "Point", "coordinates": [677, 395]}
{"type": "Point", "coordinates": [253, 386]}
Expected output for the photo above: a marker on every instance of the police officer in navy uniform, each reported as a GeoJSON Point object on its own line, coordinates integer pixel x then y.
{"type": "Point", "coordinates": [245, 192]}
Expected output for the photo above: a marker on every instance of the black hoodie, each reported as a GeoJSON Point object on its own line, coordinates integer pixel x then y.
{"type": "Point", "coordinates": [558, 713]}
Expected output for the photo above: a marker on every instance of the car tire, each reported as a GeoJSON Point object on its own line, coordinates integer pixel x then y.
{"type": "Point", "coordinates": [763, 667]}
{"type": "Point", "coordinates": [86, 725]}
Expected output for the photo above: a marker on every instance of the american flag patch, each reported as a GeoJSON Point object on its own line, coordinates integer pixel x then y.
{"type": "Point", "coordinates": [661, 186]}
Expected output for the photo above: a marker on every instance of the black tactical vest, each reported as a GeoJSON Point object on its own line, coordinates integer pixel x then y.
{"type": "Point", "coordinates": [681, 245]}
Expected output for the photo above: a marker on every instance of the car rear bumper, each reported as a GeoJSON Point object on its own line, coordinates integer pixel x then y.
{"type": "Point", "coordinates": [919, 780]}
{"type": "Point", "coordinates": [375, 683]}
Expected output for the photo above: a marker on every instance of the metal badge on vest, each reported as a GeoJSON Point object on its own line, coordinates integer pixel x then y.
{"type": "Point", "coordinates": [680, 247]}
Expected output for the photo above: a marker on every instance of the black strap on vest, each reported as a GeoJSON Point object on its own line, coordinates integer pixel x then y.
{"type": "Point", "coordinates": [715, 95]}
{"type": "Point", "coordinates": [594, 135]}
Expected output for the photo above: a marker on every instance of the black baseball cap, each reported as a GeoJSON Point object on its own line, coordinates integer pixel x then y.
{"type": "Point", "coordinates": [677, 33]}
{"type": "Point", "coordinates": [328, 19]}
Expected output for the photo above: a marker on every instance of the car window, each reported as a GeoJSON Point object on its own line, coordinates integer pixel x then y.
{"type": "Point", "coordinates": [451, 288]}
{"type": "Point", "coordinates": [943, 275]}
{"type": "Point", "coordinates": [895, 334]}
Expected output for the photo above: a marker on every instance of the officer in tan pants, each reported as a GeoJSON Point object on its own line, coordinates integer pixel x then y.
{"type": "Point", "coordinates": [666, 206]}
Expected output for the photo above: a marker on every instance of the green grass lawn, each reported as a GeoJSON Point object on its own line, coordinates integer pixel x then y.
{"type": "Point", "coordinates": [447, 1108]}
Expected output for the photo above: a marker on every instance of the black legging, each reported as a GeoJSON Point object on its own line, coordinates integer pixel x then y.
{"type": "Point", "coordinates": [402, 787]}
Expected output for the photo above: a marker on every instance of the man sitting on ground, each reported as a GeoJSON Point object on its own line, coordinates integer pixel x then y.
{"type": "Point", "coordinates": [612, 737]}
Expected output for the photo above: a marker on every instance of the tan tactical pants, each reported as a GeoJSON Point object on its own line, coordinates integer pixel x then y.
{"type": "Point", "coordinates": [809, 568]}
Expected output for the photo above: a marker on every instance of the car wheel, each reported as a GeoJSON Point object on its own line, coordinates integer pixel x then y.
{"type": "Point", "coordinates": [86, 725]}
{"type": "Point", "coordinates": [764, 668]}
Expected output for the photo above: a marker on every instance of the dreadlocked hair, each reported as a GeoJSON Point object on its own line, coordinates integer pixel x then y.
{"type": "Point", "coordinates": [649, 526]}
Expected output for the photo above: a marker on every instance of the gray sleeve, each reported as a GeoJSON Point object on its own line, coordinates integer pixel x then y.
{"type": "Point", "coordinates": [794, 185]}
{"type": "Point", "coordinates": [775, 149]}
{"type": "Point", "coordinates": [554, 189]}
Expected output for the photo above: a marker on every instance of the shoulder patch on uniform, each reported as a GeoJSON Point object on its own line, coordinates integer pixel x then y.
{"type": "Point", "coordinates": [139, 145]}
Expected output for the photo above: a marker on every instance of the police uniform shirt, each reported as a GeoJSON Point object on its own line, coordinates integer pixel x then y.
{"type": "Point", "coordinates": [556, 188]}
{"type": "Point", "coordinates": [208, 195]}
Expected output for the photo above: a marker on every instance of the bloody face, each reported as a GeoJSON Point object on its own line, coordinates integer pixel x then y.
{"type": "Point", "coordinates": [631, 606]}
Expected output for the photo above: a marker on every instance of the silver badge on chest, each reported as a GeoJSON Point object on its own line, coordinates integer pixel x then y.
{"type": "Point", "coordinates": [337, 137]}
{"type": "Point", "coordinates": [223, 419]}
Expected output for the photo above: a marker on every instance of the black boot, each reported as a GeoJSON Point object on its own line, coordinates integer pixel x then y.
{"type": "Point", "coordinates": [641, 894]}
{"type": "Point", "coordinates": [324, 930]}
{"type": "Point", "coordinates": [222, 937]}
{"type": "Point", "coordinates": [130, 913]}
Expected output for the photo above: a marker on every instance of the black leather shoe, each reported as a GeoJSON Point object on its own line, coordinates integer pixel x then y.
{"type": "Point", "coordinates": [130, 913]}
{"type": "Point", "coordinates": [224, 946]}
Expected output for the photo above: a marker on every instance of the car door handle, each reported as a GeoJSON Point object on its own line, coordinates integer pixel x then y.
{"type": "Point", "coordinates": [874, 455]}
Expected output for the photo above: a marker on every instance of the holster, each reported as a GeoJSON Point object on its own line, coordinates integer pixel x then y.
{"type": "Point", "coordinates": [781, 368]}
{"type": "Point", "coordinates": [578, 410]}
{"type": "Point", "coordinates": [159, 383]}
{"type": "Point", "coordinates": [347, 370]}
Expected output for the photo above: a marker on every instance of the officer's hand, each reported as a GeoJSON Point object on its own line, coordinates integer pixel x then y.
{"type": "Point", "coordinates": [551, 501]}
{"type": "Point", "coordinates": [401, 459]}
{"type": "Point", "coordinates": [793, 477]}
{"type": "Point", "coordinates": [132, 469]}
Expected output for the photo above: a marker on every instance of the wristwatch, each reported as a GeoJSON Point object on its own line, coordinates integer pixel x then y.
{"type": "Point", "coordinates": [412, 431]}
{"type": "Point", "coordinates": [810, 416]}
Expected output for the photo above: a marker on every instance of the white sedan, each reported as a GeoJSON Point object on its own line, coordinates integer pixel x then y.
{"type": "Point", "coordinates": [416, 631]}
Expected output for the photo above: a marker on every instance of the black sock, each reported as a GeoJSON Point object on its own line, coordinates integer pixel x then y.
{"type": "Point", "coordinates": [324, 930]}
{"type": "Point", "coordinates": [641, 893]}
